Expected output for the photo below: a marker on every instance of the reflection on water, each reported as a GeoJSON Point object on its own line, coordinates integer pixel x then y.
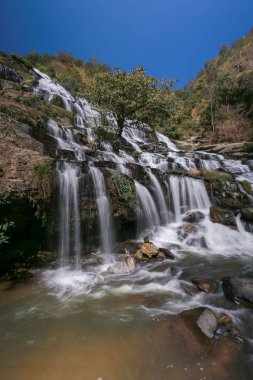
{"type": "Point", "coordinates": [88, 325]}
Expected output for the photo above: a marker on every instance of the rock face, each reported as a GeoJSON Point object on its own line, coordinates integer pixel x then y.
{"type": "Point", "coordinates": [202, 320]}
{"type": "Point", "coordinates": [127, 266]}
{"type": "Point", "coordinates": [219, 215]}
{"type": "Point", "coordinates": [7, 74]}
{"type": "Point", "coordinates": [239, 290]}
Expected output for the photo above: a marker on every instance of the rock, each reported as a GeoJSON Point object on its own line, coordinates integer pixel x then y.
{"type": "Point", "coordinates": [187, 229]}
{"type": "Point", "coordinates": [239, 290]}
{"type": "Point", "coordinates": [148, 250]}
{"type": "Point", "coordinates": [9, 74]}
{"type": "Point", "coordinates": [204, 284]}
{"type": "Point", "coordinates": [201, 319]}
{"type": "Point", "coordinates": [45, 258]}
{"type": "Point", "coordinates": [125, 267]}
{"type": "Point", "coordinates": [197, 242]}
{"type": "Point", "coordinates": [247, 214]}
{"type": "Point", "coordinates": [219, 215]}
{"type": "Point", "coordinates": [249, 163]}
{"type": "Point", "coordinates": [189, 289]}
{"type": "Point", "coordinates": [223, 319]}
{"type": "Point", "coordinates": [193, 216]}
{"type": "Point", "coordinates": [21, 274]}
{"type": "Point", "coordinates": [166, 253]}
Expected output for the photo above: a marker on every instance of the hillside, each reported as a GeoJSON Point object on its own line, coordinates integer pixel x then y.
{"type": "Point", "coordinates": [217, 104]}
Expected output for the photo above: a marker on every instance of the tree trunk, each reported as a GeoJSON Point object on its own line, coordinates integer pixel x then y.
{"type": "Point", "coordinates": [120, 122]}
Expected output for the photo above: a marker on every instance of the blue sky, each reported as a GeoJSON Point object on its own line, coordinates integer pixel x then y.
{"type": "Point", "coordinates": [168, 37]}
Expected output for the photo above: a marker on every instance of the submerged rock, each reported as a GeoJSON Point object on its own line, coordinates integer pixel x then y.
{"type": "Point", "coordinates": [125, 267]}
{"type": "Point", "coordinates": [186, 229]}
{"type": "Point", "coordinates": [197, 242]}
{"type": "Point", "coordinates": [204, 284]}
{"type": "Point", "coordinates": [239, 290]}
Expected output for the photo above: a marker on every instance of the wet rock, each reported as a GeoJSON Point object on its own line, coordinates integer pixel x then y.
{"type": "Point", "coordinates": [201, 320]}
{"type": "Point", "coordinates": [239, 290]}
{"type": "Point", "coordinates": [187, 229]}
{"type": "Point", "coordinates": [193, 216]}
{"type": "Point", "coordinates": [247, 214]}
{"type": "Point", "coordinates": [21, 274]}
{"type": "Point", "coordinates": [45, 258]}
{"type": "Point", "coordinates": [204, 284]}
{"type": "Point", "coordinates": [223, 319]}
{"type": "Point", "coordinates": [148, 251]}
{"type": "Point", "coordinates": [125, 267]}
{"type": "Point", "coordinates": [219, 215]}
{"type": "Point", "coordinates": [167, 253]}
{"type": "Point", "coordinates": [189, 289]}
{"type": "Point", "coordinates": [197, 242]}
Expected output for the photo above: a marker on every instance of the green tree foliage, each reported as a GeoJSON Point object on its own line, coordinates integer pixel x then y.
{"type": "Point", "coordinates": [134, 95]}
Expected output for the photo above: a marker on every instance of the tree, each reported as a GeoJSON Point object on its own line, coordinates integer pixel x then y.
{"type": "Point", "coordinates": [133, 95]}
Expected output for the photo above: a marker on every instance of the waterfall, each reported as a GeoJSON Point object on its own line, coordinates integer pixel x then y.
{"type": "Point", "coordinates": [166, 140]}
{"type": "Point", "coordinates": [68, 173]}
{"type": "Point", "coordinates": [186, 194]}
{"type": "Point", "coordinates": [69, 235]}
{"type": "Point", "coordinates": [159, 197]}
{"type": "Point", "coordinates": [104, 210]}
{"type": "Point", "coordinates": [147, 214]}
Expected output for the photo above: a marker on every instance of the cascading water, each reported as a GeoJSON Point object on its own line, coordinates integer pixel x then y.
{"type": "Point", "coordinates": [70, 242]}
{"type": "Point", "coordinates": [147, 214]}
{"type": "Point", "coordinates": [104, 211]}
{"type": "Point", "coordinates": [183, 193]}
{"type": "Point", "coordinates": [187, 194]}
{"type": "Point", "coordinates": [163, 210]}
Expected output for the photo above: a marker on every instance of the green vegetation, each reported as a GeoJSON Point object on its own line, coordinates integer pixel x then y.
{"type": "Point", "coordinates": [215, 176]}
{"type": "Point", "coordinates": [217, 104]}
{"type": "Point", "coordinates": [5, 224]}
{"type": "Point", "coordinates": [133, 95]}
{"type": "Point", "coordinates": [247, 187]}
{"type": "Point", "coordinates": [122, 189]}
{"type": "Point", "coordinates": [43, 174]}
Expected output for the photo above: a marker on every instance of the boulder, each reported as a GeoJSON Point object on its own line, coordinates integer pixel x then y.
{"type": "Point", "coordinates": [189, 289]}
{"type": "Point", "coordinates": [204, 284]}
{"type": "Point", "coordinates": [220, 215]}
{"type": "Point", "coordinates": [202, 320]}
{"type": "Point", "coordinates": [126, 266]}
{"type": "Point", "coordinates": [167, 253]}
{"type": "Point", "coordinates": [247, 214]}
{"type": "Point", "coordinates": [148, 251]}
{"type": "Point", "coordinates": [239, 290]}
{"type": "Point", "coordinates": [193, 216]}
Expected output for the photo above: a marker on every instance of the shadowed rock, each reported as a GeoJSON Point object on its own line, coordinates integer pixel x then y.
{"type": "Point", "coordinates": [239, 290]}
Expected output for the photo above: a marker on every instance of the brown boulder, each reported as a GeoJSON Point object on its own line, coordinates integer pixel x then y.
{"type": "Point", "coordinates": [204, 284]}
